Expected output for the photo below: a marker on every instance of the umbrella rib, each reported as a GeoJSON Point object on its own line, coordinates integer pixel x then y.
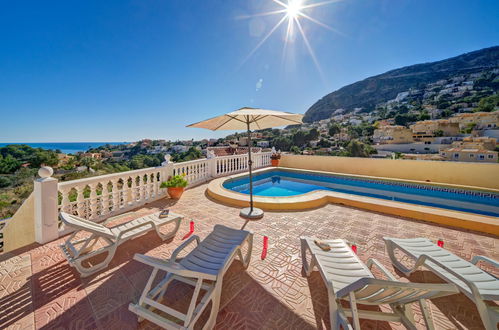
{"type": "Point", "coordinates": [294, 121]}
{"type": "Point", "coordinates": [216, 128]}
{"type": "Point", "coordinates": [235, 118]}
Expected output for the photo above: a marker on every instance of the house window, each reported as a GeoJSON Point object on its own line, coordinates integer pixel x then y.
{"type": "Point", "coordinates": [456, 155]}
{"type": "Point", "coordinates": [471, 155]}
{"type": "Point", "coordinates": [490, 156]}
{"type": "Point", "coordinates": [481, 156]}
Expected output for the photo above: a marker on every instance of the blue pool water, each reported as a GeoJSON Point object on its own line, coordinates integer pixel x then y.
{"type": "Point", "coordinates": [277, 183]}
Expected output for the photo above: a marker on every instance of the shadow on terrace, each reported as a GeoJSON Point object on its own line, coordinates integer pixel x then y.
{"type": "Point", "coordinates": [40, 290]}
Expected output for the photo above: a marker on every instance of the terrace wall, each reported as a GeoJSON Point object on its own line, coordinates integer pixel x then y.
{"type": "Point", "coordinates": [457, 173]}
{"type": "Point", "coordinates": [20, 230]}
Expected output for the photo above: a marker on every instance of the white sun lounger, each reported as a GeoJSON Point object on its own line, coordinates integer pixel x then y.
{"type": "Point", "coordinates": [348, 278]}
{"type": "Point", "coordinates": [203, 268]}
{"type": "Point", "coordinates": [78, 251]}
{"type": "Point", "coordinates": [474, 282]}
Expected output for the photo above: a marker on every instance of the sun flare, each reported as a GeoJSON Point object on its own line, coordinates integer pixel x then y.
{"type": "Point", "coordinates": [293, 13]}
{"type": "Point", "coordinates": [293, 8]}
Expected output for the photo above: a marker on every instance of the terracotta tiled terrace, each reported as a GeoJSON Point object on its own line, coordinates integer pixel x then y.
{"type": "Point", "coordinates": [39, 290]}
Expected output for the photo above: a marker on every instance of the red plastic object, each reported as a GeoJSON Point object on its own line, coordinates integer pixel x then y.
{"type": "Point", "coordinates": [265, 247]}
{"type": "Point", "coordinates": [354, 248]}
{"type": "Point", "coordinates": [440, 242]}
{"type": "Point", "coordinates": [191, 230]}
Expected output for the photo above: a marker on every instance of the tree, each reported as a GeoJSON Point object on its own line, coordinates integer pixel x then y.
{"type": "Point", "coordinates": [334, 129]}
{"type": "Point", "coordinates": [4, 182]}
{"type": "Point", "coordinates": [488, 104]}
{"type": "Point", "coordinates": [88, 162]}
{"type": "Point", "coordinates": [355, 148]}
{"type": "Point", "coordinates": [9, 164]}
{"type": "Point", "coordinates": [438, 133]}
{"type": "Point", "coordinates": [295, 150]}
{"type": "Point", "coordinates": [282, 143]}
{"type": "Point", "coordinates": [299, 138]}
{"type": "Point", "coordinates": [313, 134]}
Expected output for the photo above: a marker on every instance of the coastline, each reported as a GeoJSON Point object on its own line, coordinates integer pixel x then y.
{"type": "Point", "coordinates": [64, 147]}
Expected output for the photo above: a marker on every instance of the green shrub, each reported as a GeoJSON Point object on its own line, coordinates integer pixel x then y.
{"type": "Point", "coordinates": [175, 181]}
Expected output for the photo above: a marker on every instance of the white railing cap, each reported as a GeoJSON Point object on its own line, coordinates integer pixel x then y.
{"type": "Point", "coordinates": [118, 175]}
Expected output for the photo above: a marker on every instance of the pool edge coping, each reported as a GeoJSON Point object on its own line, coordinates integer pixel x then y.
{"type": "Point", "coordinates": [318, 198]}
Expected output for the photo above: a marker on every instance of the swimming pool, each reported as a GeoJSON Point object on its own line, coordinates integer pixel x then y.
{"type": "Point", "coordinates": [286, 183]}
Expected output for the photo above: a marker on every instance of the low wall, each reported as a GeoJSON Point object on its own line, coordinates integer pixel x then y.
{"type": "Point", "coordinates": [484, 175]}
{"type": "Point", "coordinates": [20, 230]}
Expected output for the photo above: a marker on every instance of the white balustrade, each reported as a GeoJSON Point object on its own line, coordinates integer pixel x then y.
{"type": "Point", "coordinates": [100, 197]}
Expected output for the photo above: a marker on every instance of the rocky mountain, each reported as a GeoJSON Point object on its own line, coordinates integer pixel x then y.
{"type": "Point", "coordinates": [367, 93]}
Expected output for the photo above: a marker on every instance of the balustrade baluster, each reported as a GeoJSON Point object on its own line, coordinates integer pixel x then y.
{"type": "Point", "coordinates": [65, 202]}
{"type": "Point", "coordinates": [80, 202]}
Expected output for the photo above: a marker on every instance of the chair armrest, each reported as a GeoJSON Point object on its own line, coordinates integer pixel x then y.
{"type": "Point", "coordinates": [373, 262]}
{"type": "Point", "coordinates": [477, 259]}
{"type": "Point", "coordinates": [183, 246]}
{"type": "Point", "coordinates": [171, 267]}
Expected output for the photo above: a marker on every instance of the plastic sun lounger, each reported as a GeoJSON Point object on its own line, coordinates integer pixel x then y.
{"type": "Point", "coordinates": [203, 268]}
{"type": "Point", "coordinates": [475, 283]}
{"type": "Point", "coordinates": [348, 278]}
{"type": "Point", "coordinates": [79, 251]}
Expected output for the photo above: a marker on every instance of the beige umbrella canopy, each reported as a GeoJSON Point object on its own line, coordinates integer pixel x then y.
{"type": "Point", "coordinates": [256, 118]}
{"type": "Point", "coordinates": [250, 119]}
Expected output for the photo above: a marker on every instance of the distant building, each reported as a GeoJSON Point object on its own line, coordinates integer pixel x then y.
{"type": "Point", "coordinates": [487, 143]}
{"type": "Point", "coordinates": [483, 120]}
{"type": "Point", "coordinates": [471, 149]}
{"type": "Point", "coordinates": [263, 144]}
{"type": "Point", "coordinates": [392, 135]}
{"type": "Point", "coordinates": [179, 148]}
{"type": "Point", "coordinates": [426, 130]}
{"type": "Point", "coordinates": [94, 155]}
{"type": "Point", "coordinates": [464, 154]}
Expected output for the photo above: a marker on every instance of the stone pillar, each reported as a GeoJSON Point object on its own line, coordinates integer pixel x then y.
{"type": "Point", "coordinates": [167, 170]}
{"type": "Point", "coordinates": [46, 213]}
{"type": "Point", "coordinates": [212, 163]}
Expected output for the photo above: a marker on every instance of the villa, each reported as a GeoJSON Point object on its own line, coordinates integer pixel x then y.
{"type": "Point", "coordinates": [39, 288]}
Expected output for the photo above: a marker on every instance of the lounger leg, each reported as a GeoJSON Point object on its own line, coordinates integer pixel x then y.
{"type": "Point", "coordinates": [355, 312]}
{"type": "Point", "coordinates": [215, 306]}
{"type": "Point", "coordinates": [87, 271]}
{"type": "Point", "coordinates": [406, 315]}
{"type": "Point", "coordinates": [172, 233]}
{"type": "Point", "coordinates": [488, 319]}
{"type": "Point", "coordinates": [336, 317]}
{"type": "Point", "coordinates": [308, 268]}
{"type": "Point", "coordinates": [247, 258]}
{"type": "Point", "coordinates": [425, 309]}
{"type": "Point", "coordinates": [391, 252]}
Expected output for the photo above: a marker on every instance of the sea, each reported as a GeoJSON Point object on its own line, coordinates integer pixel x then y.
{"type": "Point", "coordinates": [67, 147]}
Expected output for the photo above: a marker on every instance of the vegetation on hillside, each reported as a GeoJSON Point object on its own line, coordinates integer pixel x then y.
{"type": "Point", "coordinates": [366, 94]}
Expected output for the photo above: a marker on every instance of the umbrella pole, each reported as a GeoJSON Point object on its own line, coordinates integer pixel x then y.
{"type": "Point", "coordinates": [250, 212]}
{"type": "Point", "coordinates": [250, 164]}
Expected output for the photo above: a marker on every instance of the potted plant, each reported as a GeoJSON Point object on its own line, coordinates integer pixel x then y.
{"type": "Point", "coordinates": [175, 185]}
{"type": "Point", "coordinates": [274, 158]}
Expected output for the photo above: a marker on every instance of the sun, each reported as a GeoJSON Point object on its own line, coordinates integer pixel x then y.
{"type": "Point", "coordinates": [292, 13]}
{"type": "Point", "coordinates": [293, 8]}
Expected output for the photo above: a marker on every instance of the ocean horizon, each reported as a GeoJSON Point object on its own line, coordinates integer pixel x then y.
{"type": "Point", "coordinates": [65, 147]}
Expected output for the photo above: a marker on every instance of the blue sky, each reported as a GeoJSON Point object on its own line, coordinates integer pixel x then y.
{"type": "Point", "coordinates": [130, 69]}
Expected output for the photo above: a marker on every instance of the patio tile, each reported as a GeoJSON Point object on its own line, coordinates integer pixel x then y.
{"type": "Point", "coordinates": [38, 288]}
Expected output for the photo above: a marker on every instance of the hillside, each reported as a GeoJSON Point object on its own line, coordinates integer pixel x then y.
{"type": "Point", "coordinates": [381, 88]}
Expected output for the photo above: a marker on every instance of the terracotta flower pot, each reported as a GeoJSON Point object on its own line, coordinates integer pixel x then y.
{"type": "Point", "coordinates": [175, 192]}
{"type": "Point", "coordinates": [275, 162]}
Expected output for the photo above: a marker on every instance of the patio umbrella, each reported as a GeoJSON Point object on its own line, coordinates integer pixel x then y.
{"type": "Point", "coordinates": [250, 119]}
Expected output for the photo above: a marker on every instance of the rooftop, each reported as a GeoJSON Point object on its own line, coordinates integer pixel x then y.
{"type": "Point", "coordinates": [39, 290]}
